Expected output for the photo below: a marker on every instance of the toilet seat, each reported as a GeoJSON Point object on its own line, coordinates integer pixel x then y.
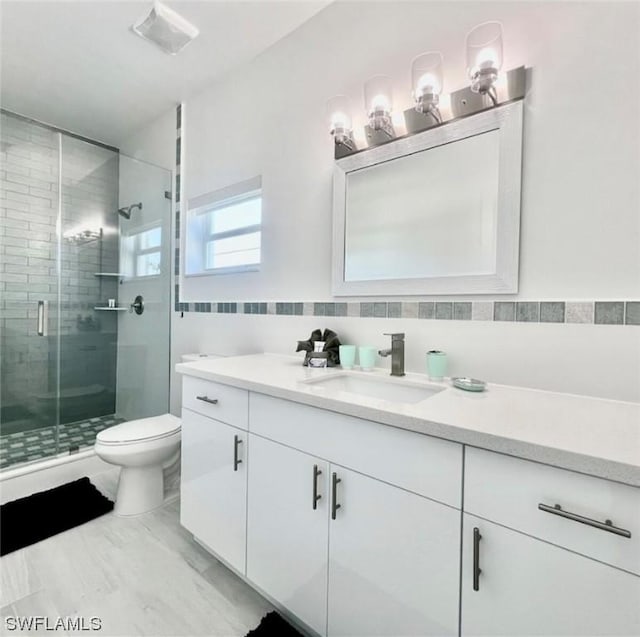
{"type": "Point", "coordinates": [142, 430]}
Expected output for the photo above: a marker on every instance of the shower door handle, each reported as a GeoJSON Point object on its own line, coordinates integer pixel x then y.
{"type": "Point", "coordinates": [43, 318]}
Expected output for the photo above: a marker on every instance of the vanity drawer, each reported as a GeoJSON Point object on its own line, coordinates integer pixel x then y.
{"type": "Point", "coordinates": [523, 495]}
{"type": "Point", "coordinates": [222, 402]}
{"type": "Point", "coordinates": [422, 464]}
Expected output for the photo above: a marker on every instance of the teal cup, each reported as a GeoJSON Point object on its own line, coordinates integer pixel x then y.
{"type": "Point", "coordinates": [436, 365]}
{"type": "Point", "coordinates": [347, 356]}
{"type": "Point", "coordinates": [367, 356]}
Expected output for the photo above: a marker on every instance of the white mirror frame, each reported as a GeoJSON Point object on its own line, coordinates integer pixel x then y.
{"type": "Point", "coordinates": [507, 120]}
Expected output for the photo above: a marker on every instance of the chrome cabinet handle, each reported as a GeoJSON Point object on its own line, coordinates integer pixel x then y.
{"type": "Point", "coordinates": [316, 495]}
{"type": "Point", "coordinates": [206, 399]}
{"type": "Point", "coordinates": [607, 525]}
{"type": "Point", "coordinates": [476, 558]}
{"type": "Point", "coordinates": [41, 325]}
{"type": "Point", "coordinates": [334, 495]}
{"type": "Point", "coordinates": [236, 460]}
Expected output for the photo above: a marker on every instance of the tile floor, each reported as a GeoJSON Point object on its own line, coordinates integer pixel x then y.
{"type": "Point", "coordinates": [141, 576]}
{"type": "Point", "coordinates": [27, 446]}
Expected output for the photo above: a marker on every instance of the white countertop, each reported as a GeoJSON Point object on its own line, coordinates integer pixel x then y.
{"type": "Point", "coordinates": [591, 435]}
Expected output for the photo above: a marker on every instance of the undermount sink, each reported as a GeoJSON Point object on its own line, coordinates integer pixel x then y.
{"type": "Point", "coordinates": [391, 389]}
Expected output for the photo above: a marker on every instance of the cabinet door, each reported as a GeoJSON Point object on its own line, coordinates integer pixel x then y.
{"type": "Point", "coordinates": [286, 533]}
{"type": "Point", "coordinates": [394, 560]}
{"type": "Point", "coordinates": [214, 486]}
{"type": "Point", "coordinates": [530, 587]}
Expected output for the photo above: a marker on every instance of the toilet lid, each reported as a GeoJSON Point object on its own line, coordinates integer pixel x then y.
{"type": "Point", "coordinates": [142, 429]}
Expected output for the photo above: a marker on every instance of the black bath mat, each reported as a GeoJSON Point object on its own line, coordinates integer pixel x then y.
{"type": "Point", "coordinates": [29, 520]}
{"type": "Point", "coordinates": [273, 625]}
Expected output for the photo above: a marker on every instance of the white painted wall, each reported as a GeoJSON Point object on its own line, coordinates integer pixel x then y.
{"type": "Point", "coordinates": [581, 197]}
{"type": "Point", "coordinates": [581, 200]}
{"type": "Point", "coordinates": [155, 143]}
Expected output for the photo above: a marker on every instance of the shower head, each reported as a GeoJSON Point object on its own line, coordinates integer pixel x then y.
{"type": "Point", "coordinates": [126, 211]}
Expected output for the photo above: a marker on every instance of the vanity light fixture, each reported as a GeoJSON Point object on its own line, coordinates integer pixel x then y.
{"type": "Point", "coordinates": [339, 114]}
{"type": "Point", "coordinates": [427, 81]}
{"type": "Point", "coordinates": [377, 102]}
{"type": "Point", "coordinates": [484, 58]}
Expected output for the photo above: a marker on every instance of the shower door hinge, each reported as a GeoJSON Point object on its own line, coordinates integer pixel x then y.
{"type": "Point", "coordinates": [167, 194]}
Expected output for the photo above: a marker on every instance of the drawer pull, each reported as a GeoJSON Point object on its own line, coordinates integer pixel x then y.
{"type": "Point", "coordinates": [607, 525]}
{"type": "Point", "coordinates": [206, 399]}
{"type": "Point", "coordinates": [236, 460]}
{"type": "Point", "coordinates": [476, 558]}
{"type": "Point", "coordinates": [334, 495]}
{"type": "Point", "coordinates": [316, 495]}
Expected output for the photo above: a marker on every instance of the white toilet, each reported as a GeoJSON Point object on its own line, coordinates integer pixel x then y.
{"type": "Point", "coordinates": [142, 448]}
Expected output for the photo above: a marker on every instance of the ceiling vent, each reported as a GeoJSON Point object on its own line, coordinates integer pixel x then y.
{"type": "Point", "coordinates": [165, 28]}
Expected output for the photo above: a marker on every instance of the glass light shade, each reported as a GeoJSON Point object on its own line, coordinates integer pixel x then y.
{"type": "Point", "coordinates": [426, 74]}
{"type": "Point", "coordinates": [377, 95]}
{"type": "Point", "coordinates": [339, 114]}
{"type": "Point", "coordinates": [484, 49]}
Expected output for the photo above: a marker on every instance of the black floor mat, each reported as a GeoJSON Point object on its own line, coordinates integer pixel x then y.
{"type": "Point", "coordinates": [29, 520]}
{"type": "Point", "coordinates": [273, 625]}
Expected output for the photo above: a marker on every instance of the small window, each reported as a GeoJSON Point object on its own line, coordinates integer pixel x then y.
{"type": "Point", "coordinates": [141, 253]}
{"type": "Point", "coordinates": [224, 235]}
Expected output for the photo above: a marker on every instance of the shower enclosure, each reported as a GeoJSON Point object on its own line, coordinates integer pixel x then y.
{"type": "Point", "coordinates": [84, 290]}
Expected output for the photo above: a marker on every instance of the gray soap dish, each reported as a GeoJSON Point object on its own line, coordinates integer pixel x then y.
{"type": "Point", "coordinates": [468, 384]}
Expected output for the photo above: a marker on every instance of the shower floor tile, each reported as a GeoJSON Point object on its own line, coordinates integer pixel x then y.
{"type": "Point", "coordinates": [41, 443]}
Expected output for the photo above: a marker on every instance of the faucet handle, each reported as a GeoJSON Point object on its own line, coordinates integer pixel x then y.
{"type": "Point", "coordinates": [395, 336]}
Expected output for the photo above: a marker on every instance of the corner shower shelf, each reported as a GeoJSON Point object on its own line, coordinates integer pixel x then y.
{"type": "Point", "coordinates": [104, 308]}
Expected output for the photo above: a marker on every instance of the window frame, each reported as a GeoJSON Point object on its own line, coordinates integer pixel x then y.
{"type": "Point", "coordinates": [197, 228]}
{"type": "Point", "coordinates": [236, 232]}
{"type": "Point", "coordinates": [134, 238]}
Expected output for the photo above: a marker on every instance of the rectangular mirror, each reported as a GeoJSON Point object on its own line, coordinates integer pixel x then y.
{"type": "Point", "coordinates": [434, 213]}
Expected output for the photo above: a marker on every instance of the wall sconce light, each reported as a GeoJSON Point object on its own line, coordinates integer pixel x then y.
{"type": "Point", "coordinates": [377, 102]}
{"type": "Point", "coordinates": [426, 80]}
{"type": "Point", "coordinates": [484, 58]}
{"type": "Point", "coordinates": [339, 114]}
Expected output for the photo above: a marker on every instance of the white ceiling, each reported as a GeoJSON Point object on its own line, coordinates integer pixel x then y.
{"type": "Point", "coordinates": [78, 66]}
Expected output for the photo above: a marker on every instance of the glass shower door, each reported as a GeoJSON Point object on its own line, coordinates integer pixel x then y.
{"type": "Point", "coordinates": [88, 279]}
{"type": "Point", "coordinates": [85, 239]}
{"type": "Point", "coordinates": [29, 291]}
{"type": "Point", "coordinates": [145, 263]}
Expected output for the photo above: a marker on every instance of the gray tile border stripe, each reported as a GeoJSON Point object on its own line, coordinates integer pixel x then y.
{"type": "Point", "coordinates": [571, 312]}
{"type": "Point", "coordinates": [609, 313]}
{"type": "Point", "coordinates": [552, 312]}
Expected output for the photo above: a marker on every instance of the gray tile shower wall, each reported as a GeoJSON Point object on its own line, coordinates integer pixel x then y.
{"type": "Point", "coordinates": [29, 202]}
{"type": "Point", "coordinates": [28, 252]}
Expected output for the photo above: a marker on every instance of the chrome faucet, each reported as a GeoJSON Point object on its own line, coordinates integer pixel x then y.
{"type": "Point", "coordinates": [396, 351]}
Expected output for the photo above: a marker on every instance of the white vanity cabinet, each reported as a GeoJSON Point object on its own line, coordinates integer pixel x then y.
{"type": "Point", "coordinates": [354, 527]}
{"type": "Point", "coordinates": [393, 560]}
{"type": "Point", "coordinates": [213, 491]}
{"type": "Point", "coordinates": [531, 571]}
{"type": "Point", "coordinates": [391, 557]}
{"type": "Point", "coordinates": [287, 529]}
{"type": "Point", "coordinates": [387, 557]}
{"type": "Point", "coordinates": [529, 587]}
